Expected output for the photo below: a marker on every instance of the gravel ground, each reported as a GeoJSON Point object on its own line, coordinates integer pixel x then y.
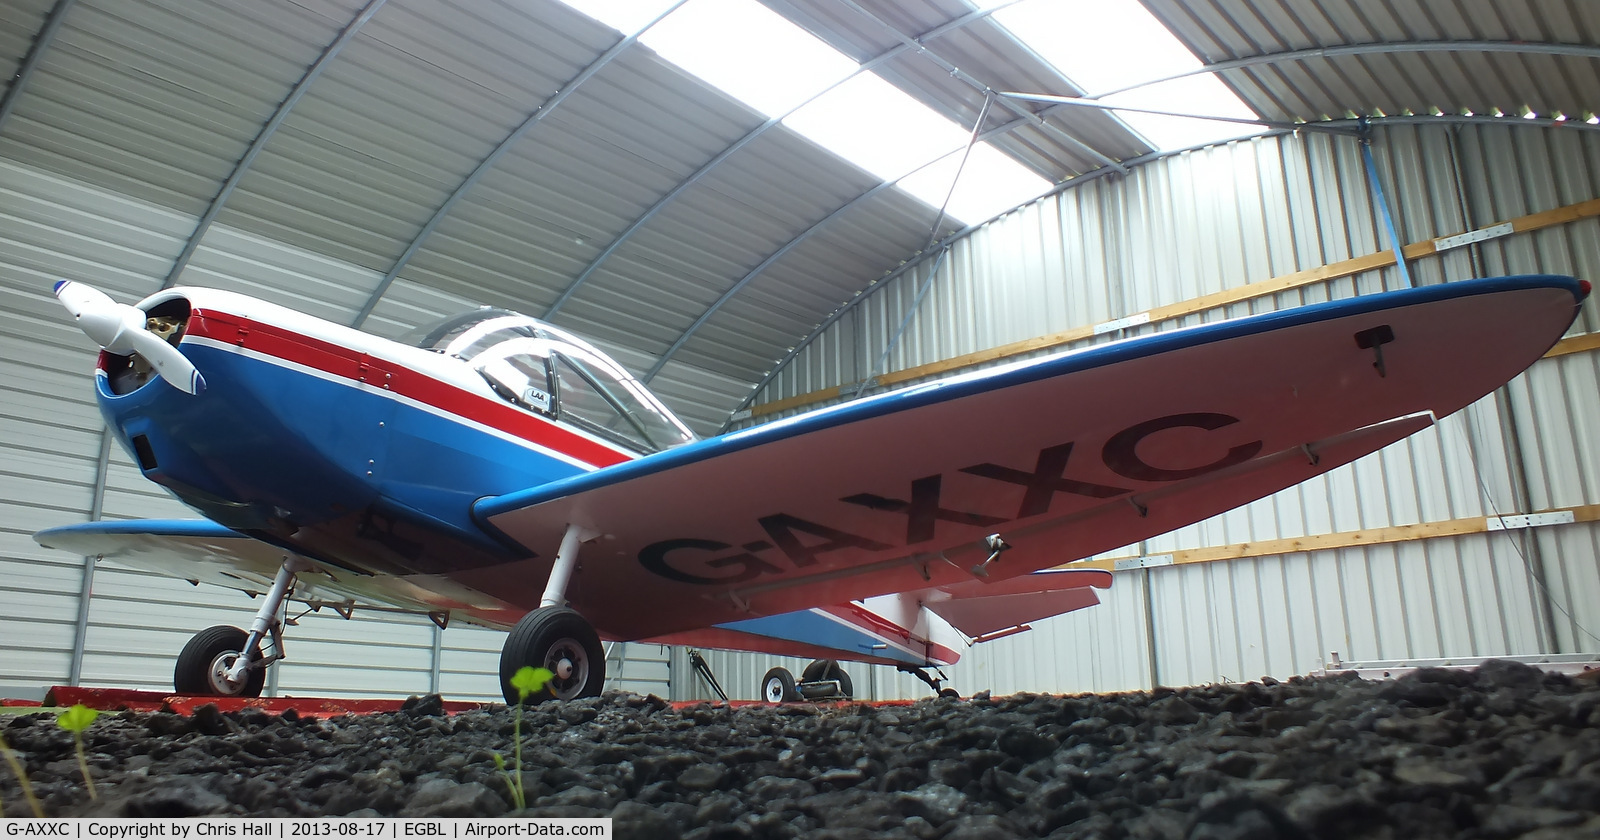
{"type": "Point", "coordinates": [1503, 751]}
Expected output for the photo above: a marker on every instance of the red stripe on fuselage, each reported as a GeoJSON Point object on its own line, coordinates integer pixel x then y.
{"type": "Point", "coordinates": [381, 373]}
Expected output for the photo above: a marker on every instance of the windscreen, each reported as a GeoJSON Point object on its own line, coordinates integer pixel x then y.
{"type": "Point", "coordinates": [592, 390]}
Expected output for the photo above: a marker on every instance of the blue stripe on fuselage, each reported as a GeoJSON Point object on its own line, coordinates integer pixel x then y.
{"type": "Point", "coordinates": [813, 627]}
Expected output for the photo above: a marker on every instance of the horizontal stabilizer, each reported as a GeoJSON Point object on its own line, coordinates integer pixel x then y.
{"type": "Point", "coordinates": [977, 608]}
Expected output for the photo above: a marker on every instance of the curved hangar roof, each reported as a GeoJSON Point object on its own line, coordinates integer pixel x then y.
{"type": "Point", "coordinates": [522, 154]}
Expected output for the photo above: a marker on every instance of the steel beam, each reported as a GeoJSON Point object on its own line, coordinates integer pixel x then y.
{"type": "Point", "coordinates": [868, 66]}
{"type": "Point", "coordinates": [488, 162]}
{"type": "Point", "coordinates": [97, 506]}
{"type": "Point", "coordinates": [1577, 50]}
{"type": "Point", "coordinates": [30, 62]}
{"type": "Point", "coordinates": [271, 127]}
{"type": "Point", "coordinates": [1085, 102]}
{"type": "Point", "coordinates": [436, 660]}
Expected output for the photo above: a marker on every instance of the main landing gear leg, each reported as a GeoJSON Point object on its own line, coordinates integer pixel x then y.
{"type": "Point", "coordinates": [556, 638]}
{"type": "Point", "coordinates": [225, 661]}
{"type": "Point", "coordinates": [933, 683]}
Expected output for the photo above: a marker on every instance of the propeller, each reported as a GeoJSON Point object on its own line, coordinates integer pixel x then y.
{"type": "Point", "coordinates": [120, 329]}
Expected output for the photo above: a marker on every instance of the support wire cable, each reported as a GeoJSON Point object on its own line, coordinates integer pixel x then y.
{"type": "Point", "coordinates": [1534, 574]}
{"type": "Point", "coordinates": [1365, 137]}
{"type": "Point", "coordinates": [933, 236]}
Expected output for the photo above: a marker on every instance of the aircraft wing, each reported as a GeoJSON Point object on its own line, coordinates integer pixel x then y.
{"type": "Point", "coordinates": [202, 551]}
{"type": "Point", "coordinates": [1065, 457]}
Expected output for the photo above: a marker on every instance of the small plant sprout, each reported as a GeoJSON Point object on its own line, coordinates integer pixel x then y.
{"type": "Point", "coordinates": [528, 681]}
{"type": "Point", "coordinates": [75, 720]}
{"type": "Point", "coordinates": [22, 778]}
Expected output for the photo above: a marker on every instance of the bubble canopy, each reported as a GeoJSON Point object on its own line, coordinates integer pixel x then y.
{"type": "Point", "coordinates": [551, 372]}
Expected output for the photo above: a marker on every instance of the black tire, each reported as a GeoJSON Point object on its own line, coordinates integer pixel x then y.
{"type": "Point", "coordinates": [559, 639]}
{"type": "Point", "coordinates": [206, 657]}
{"type": "Point", "coordinates": [778, 686]}
{"type": "Point", "coordinates": [846, 690]}
{"type": "Point", "coordinates": [821, 670]}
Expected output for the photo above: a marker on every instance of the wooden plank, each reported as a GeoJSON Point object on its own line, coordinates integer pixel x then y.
{"type": "Point", "coordinates": [1215, 300]}
{"type": "Point", "coordinates": [1343, 539]}
{"type": "Point", "coordinates": [1558, 216]}
{"type": "Point", "coordinates": [1575, 344]}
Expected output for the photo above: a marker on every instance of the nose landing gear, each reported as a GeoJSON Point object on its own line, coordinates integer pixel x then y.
{"type": "Point", "coordinates": [225, 661]}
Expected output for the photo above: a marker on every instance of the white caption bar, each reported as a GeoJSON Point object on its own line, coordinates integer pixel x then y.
{"type": "Point", "coordinates": [317, 827]}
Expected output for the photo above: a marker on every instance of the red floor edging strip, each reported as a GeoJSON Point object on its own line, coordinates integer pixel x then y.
{"type": "Point", "coordinates": [122, 699]}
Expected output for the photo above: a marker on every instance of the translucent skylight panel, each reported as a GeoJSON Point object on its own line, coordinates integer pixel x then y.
{"type": "Point", "coordinates": [877, 126]}
{"type": "Point", "coordinates": [762, 59]}
{"type": "Point", "coordinates": [622, 15]}
{"type": "Point", "coordinates": [990, 184]}
{"type": "Point", "coordinates": [1107, 45]}
{"type": "Point", "coordinates": [750, 52]}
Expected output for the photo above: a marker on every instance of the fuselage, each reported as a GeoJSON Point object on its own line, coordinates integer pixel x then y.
{"type": "Point", "coordinates": [357, 451]}
{"type": "Point", "coordinates": [366, 455]}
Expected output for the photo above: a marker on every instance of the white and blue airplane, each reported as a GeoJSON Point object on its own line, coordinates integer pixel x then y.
{"type": "Point", "coordinates": [494, 469]}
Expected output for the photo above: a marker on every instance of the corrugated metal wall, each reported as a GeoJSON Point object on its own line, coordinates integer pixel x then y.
{"type": "Point", "coordinates": [1217, 218]}
{"type": "Point", "coordinates": [133, 626]}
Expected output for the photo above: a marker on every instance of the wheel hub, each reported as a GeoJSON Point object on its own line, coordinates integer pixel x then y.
{"type": "Point", "coordinates": [569, 667]}
{"type": "Point", "coordinates": [221, 667]}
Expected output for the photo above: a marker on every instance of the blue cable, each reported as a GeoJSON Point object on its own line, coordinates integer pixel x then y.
{"type": "Point", "coordinates": [1383, 203]}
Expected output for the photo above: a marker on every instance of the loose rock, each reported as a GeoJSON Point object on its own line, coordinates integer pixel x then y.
{"type": "Point", "coordinates": [1506, 751]}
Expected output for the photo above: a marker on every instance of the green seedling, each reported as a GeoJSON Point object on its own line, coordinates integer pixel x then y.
{"type": "Point", "coordinates": [22, 778]}
{"type": "Point", "coordinates": [528, 681]}
{"type": "Point", "coordinates": [75, 720]}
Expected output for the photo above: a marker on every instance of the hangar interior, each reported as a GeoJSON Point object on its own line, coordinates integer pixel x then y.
{"type": "Point", "coordinates": [379, 164]}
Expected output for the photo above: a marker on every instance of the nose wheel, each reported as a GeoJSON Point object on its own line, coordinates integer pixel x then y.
{"type": "Point", "coordinates": [561, 641]}
{"type": "Point", "coordinates": [206, 661]}
{"type": "Point", "coordinates": [225, 661]}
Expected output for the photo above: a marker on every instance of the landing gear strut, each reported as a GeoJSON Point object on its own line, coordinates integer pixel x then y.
{"type": "Point", "coordinates": [557, 638]}
{"type": "Point", "coordinates": [225, 661]}
{"type": "Point", "coordinates": [933, 682]}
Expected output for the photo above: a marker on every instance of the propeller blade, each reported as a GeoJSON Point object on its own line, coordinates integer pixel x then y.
{"type": "Point", "coordinates": [120, 329]}
{"type": "Point", "coordinates": [102, 319]}
{"type": "Point", "coordinates": [172, 365]}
